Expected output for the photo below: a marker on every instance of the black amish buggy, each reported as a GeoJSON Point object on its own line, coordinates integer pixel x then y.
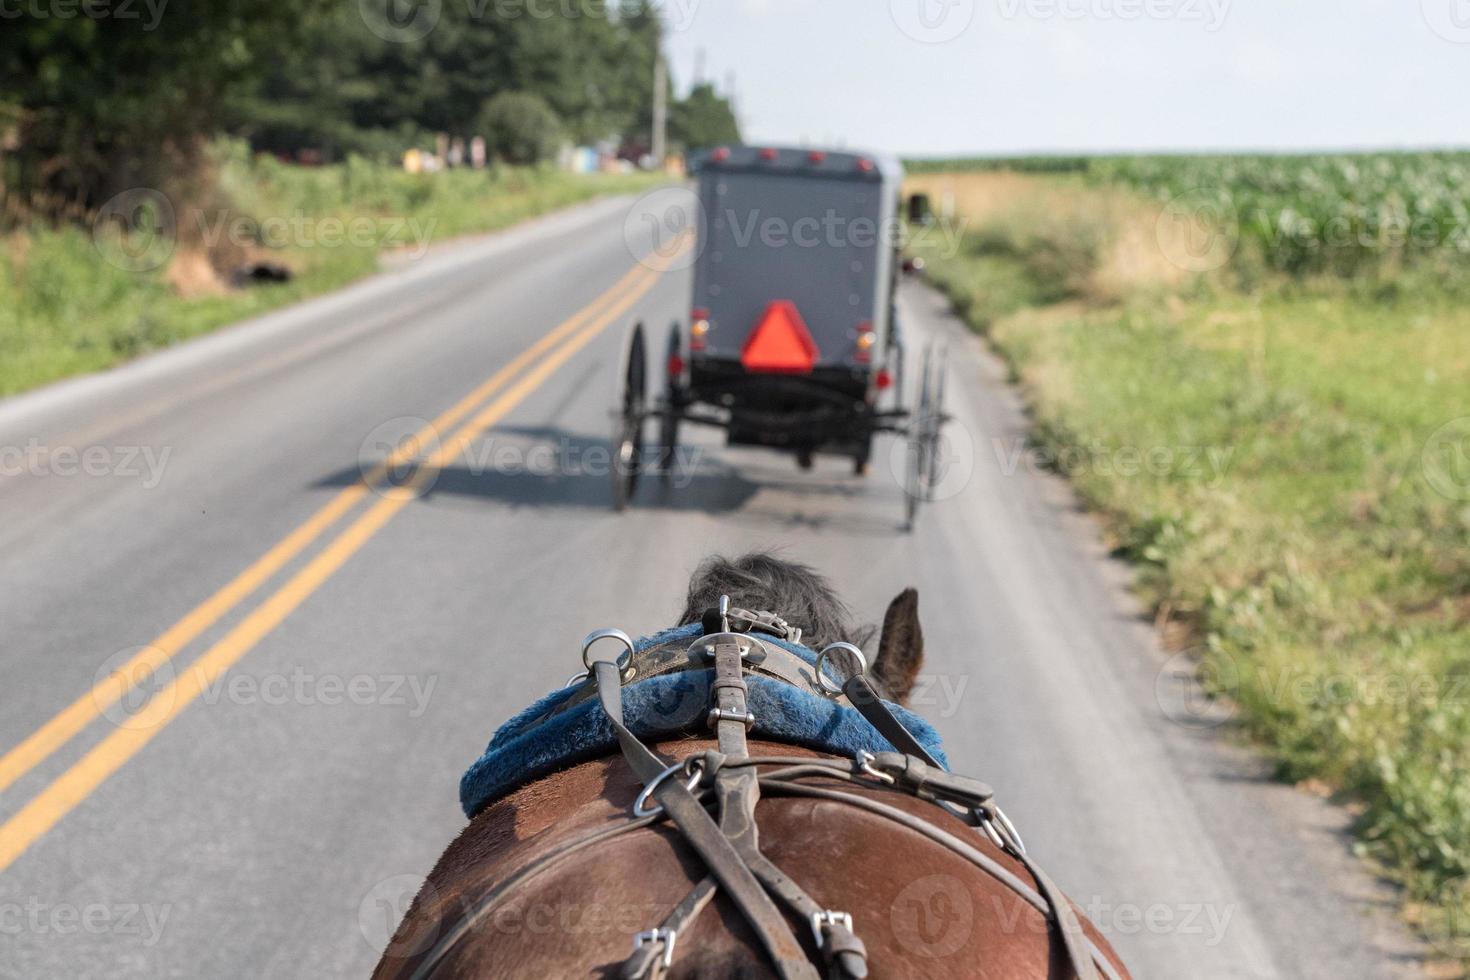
{"type": "Point", "coordinates": [792, 341]}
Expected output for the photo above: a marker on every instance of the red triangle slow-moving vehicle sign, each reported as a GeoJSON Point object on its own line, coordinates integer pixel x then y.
{"type": "Point", "coordinates": [780, 343]}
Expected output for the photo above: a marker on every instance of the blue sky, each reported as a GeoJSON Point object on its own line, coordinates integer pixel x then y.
{"type": "Point", "coordinates": [928, 77]}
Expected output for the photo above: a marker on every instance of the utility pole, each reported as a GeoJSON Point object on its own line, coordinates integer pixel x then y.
{"type": "Point", "coordinates": [730, 97]}
{"type": "Point", "coordinates": [660, 109]}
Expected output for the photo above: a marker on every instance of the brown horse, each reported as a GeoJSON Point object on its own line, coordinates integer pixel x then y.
{"type": "Point", "coordinates": [550, 881]}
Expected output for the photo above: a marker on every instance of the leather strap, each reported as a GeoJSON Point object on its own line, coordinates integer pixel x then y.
{"type": "Point", "coordinates": [738, 789]}
{"type": "Point", "coordinates": [866, 700]}
{"type": "Point", "coordinates": [702, 834]}
{"type": "Point", "coordinates": [929, 782]}
{"type": "Point", "coordinates": [446, 943]}
{"type": "Point", "coordinates": [841, 949]}
{"type": "Point", "coordinates": [1069, 927]}
{"type": "Point", "coordinates": [648, 960]}
{"type": "Point", "coordinates": [1050, 902]}
{"type": "Point", "coordinates": [767, 659]}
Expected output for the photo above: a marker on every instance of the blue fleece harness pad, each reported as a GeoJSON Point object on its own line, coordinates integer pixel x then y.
{"type": "Point", "coordinates": [669, 706]}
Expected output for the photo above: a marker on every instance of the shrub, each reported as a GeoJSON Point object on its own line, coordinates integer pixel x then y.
{"type": "Point", "coordinates": [520, 128]}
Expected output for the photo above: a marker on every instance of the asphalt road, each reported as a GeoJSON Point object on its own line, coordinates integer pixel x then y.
{"type": "Point", "coordinates": [266, 812]}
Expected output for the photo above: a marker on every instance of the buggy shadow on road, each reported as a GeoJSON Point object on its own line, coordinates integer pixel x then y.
{"type": "Point", "coordinates": [555, 468]}
{"type": "Point", "coordinates": [547, 467]}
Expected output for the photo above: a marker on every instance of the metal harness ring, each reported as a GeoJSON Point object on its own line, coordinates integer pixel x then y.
{"type": "Point", "coordinates": [828, 687]}
{"type": "Point", "coordinates": [623, 659]}
{"type": "Point", "coordinates": [640, 805]}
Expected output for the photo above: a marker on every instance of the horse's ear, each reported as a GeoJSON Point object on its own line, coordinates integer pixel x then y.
{"type": "Point", "coordinates": [901, 648]}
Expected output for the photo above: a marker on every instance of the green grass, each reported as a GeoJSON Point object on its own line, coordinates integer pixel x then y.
{"type": "Point", "coordinates": [1302, 526]}
{"type": "Point", "coordinates": [65, 310]}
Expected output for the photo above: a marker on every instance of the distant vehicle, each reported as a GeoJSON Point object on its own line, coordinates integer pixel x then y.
{"type": "Point", "coordinates": [792, 341]}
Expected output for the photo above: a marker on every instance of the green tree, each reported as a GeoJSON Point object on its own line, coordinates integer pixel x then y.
{"type": "Point", "coordinates": [101, 104]}
{"type": "Point", "coordinates": [328, 92]}
{"type": "Point", "coordinates": [703, 119]}
{"type": "Point", "coordinates": [348, 89]}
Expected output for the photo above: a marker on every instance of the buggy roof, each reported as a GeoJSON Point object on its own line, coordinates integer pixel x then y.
{"type": "Point", "coordinates": [800, 161]}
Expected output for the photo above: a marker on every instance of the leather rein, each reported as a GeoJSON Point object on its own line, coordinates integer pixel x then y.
{"type": "Point", "coordinates": [710, 798]}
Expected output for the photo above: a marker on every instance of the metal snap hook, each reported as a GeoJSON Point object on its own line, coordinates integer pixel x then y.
{"type": "Point", "coordinates": [1001, 831]}
{"type": "Point", "coordinates": [865, 760]}
{"type": "Point", "coordinates": [829, 687]}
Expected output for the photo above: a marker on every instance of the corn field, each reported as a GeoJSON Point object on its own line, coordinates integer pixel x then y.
{"type": "Point", "coordinates": [1329, 214]}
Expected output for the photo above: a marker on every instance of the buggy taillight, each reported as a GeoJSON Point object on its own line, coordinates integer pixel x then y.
{"type": "Point", "coordinates": [698, 329]}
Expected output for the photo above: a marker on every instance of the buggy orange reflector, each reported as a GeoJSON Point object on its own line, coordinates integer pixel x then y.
{"type": "Point", "coordinates": [780, 343]}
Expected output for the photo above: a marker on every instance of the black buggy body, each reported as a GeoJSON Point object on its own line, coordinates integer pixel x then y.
{"type": "Point", "coordinates": [792, 321]}
{"type": "Point", "coordinates": [792, 340]}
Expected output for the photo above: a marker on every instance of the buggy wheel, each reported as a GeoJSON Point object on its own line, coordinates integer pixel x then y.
{"type": "Point", "coordinates": [936, 420]}
{"type": "Point", "coordinates": [627, 456]}
{"type": "Point", "coordinates": [922, 472]}
{"type": "Point", "coordinates": [668, 422]}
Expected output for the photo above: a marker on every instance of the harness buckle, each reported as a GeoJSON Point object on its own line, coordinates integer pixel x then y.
{"type": "Point", "coordinates": [666, 936]}
{"type": "Point", "coordinates": [768, 622]}
{"type": "Point", "coordinates": [829, 919]}
{"type": "Point", "coordinates": [717, 715]}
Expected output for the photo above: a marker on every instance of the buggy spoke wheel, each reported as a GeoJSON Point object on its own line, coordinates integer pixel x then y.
{"type": "Point", "coordinates": [668, 427]}
{"type": "Point", "coordinates": [933, 421]}
{"type": "Point", "coordinates": [922, 469]}
{"type": "Point", "coordinates": [627, 457]}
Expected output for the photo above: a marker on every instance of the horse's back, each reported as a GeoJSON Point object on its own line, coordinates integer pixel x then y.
{"type": "Point", "coordinates": [920, 908]}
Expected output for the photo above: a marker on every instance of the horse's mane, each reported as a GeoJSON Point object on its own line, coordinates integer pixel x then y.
{"type": "Point", "coordinates": [762, 581]}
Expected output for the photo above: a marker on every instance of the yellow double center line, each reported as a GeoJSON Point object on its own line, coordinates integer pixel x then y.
{"type": "Point", "coordinates": [71, 787]}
